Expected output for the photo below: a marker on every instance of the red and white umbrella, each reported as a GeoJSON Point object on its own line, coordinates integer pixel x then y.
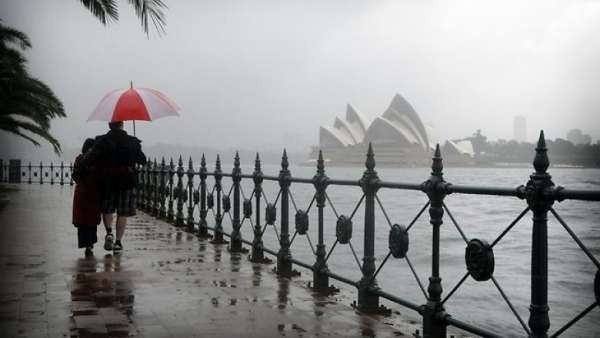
{"type": "Point", "coordinates": [131, 104]}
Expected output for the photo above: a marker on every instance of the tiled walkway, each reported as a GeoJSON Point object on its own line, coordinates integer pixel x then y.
{"type": "Point", "coordinates": [167, 283]}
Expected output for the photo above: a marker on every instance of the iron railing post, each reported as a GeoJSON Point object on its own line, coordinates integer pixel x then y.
{"type": "Point", "coordinates": [284, 256]}
{"type": "Point", "coordinates": [320, 269]}
{"type": "Point", "coordinates": [367, 300]}
{"type": "Point", "coordinates": [162, 211]}
{"type": "Point", "coordinates": [257, 243]}
{"type": "Point", "coordinates": [179, 218]}
{"type": "Point", "coordinates": [29, 168]}
{"type": "Point", "coordinates": [202, 225]}
{"type": "Point", "coordinates": [150, 188]}
{"type": "Point", "coordinates": [51, 173]}
{"type": "Point", "coordinates": [147, 187]}
{"type": "Point", "coordinates": [41, 173]}
{"type": "Point", "coordinates": [156, 189]}
{"type": "Point", "coordinates": [170, 211]}
{"type": "Point", "coordinates": [538, 192]}
{"type": "Point", "coordinates": [190, 194]}
{"type": "Point", "coordinates": [142, 187]}
{"type": "Point", "coordinates": [434, 324]}
{"type": "Point", "coordinates": [218, 233]}
{"type": "Point", "coordinates": [71, 173]}
{"type": "Point", "coordinates": [62, 173]}
{"type": "Point", "coordinates": [236, 176]}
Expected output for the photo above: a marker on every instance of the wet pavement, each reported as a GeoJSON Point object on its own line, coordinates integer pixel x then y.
{"type": "Point", "coordinates": [166, 283]}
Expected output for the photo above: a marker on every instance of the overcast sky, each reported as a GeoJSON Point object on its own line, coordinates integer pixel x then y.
{"type": "Point", "coordinates": [263, 74]}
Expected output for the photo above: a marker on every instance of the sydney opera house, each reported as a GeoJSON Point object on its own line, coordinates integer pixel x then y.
{"type": "Point", "coordinates": [398, 136]}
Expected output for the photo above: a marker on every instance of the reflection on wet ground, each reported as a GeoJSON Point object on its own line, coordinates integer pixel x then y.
{"type": "Point", "coordinates": [167, 283]}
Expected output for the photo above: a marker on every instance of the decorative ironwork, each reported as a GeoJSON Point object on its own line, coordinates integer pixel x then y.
{"type": "Point", "coordinates": [343, 229]}
{"type": "Point", "coordinates": [479, 258]}
{"type": "Point", "coordinates": [247, 208]}
{"type": "Point", "coordinates": [398, 241]}
{"type": "Point", "coordinates": [226, 203]}
{"type": "Point", "coordinates": [210, 200]}
{"type": "Point", "coordinates": [301, 222]}
{"type": "Point", "coordinates": [270, 214]}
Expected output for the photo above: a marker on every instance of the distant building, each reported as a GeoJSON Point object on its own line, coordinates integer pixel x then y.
{"type": "Point", "coordinates": [575, 136]}
{"type": "Point", "coordinates": [398, 136]}
{"type": "Point", "coordinates": [520, 129]}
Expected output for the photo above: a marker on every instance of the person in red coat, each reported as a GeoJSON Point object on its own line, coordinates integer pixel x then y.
{"type": "Point", "coordinates": [86, 201]}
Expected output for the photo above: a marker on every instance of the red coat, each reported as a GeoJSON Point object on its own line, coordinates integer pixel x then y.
{"type": "Point", "coordinates": [86, 199]}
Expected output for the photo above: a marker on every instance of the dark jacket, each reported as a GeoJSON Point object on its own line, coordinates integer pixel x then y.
{"type": "Point", "coordinates": [115, 155]}
{"type": "Point", "coordinates": [86, 200]}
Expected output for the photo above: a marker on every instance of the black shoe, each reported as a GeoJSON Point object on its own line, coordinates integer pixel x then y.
{"type": "Point", "coordinates": [108, 241]}
{"type": "Point", "coordinates": [118, 247]}
{"type": "Point", "coordinates": [89, 252]}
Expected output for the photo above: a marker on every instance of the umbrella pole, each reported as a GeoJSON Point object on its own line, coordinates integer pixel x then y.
{"type": "Point", "coordinates": [133, 127]}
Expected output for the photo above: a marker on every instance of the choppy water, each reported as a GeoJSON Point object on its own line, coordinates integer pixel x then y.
{"type": "Point", "coordinates": [570, 272]}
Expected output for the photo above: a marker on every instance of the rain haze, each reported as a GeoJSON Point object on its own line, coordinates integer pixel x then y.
{"type": "Point", "coordinates": [266, 74]}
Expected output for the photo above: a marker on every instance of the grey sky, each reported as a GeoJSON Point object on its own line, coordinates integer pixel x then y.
{"type": "Point", "coordinates": [263, 74]}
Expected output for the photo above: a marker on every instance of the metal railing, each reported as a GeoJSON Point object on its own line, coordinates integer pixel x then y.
{"type": "Point", "coordinates": [169, 192]}
{"type": "Point", "coordinates": [16, 172]}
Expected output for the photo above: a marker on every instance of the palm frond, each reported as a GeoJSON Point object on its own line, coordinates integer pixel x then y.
{"type": "Point", "coordinates": [150, 10]}
{"type": "Point", "coordinates": [11, 35]}
{"type": "Point", "coordinates": [103, 10]}
{"type": "Point", "coordinates": [14, 126]}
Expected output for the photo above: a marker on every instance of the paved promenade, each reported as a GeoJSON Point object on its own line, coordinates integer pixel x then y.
{"type": "Point", "coordinates": [167, 283]}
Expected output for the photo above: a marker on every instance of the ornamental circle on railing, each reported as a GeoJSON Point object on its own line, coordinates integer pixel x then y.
{"type": "Point", "coordinates": [270, 213]}
{"type": "Point", "coordinates": [597, 286]}
{"type": "Point", "coordinates": [210, 200]}
{"type": "Point", "coordinates": [226, 203]}
{"type": "Point", "coordinates": [301, 222]}
{"type": "Point", "coordinates": [343, 229]}
{"type": "Point", "coordinates": [479, 258]}
{"type": "Point", "coordinates": [398, 241]}
{"type": "Point", "coordinates": [247, 208]}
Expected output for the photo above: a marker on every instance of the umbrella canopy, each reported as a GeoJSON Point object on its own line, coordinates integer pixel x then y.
{"type": "Point", "coordinates": [142, 104]}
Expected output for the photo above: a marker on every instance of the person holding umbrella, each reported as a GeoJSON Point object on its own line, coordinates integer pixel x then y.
{"type": "Point", "coordinates": [115, 154]}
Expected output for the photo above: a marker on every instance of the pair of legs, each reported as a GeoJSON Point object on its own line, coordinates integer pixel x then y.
{"type": "Point", "coordinates": [120, 224]}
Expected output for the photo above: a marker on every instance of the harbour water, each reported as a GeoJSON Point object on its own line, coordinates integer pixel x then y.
{"type": "Point", "coordinates": [570, 272]}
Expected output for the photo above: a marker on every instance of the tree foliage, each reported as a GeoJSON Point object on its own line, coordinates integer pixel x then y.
{"type": "Point", "coordinates": [146, 10]}
{"type": "Point", "coordinates": [27, 105]}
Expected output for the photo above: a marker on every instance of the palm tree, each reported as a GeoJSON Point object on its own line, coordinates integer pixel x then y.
{"type": "Point", "coordinates": [146, 11]}
{"type": "Point", "coordinates": [26, 103]}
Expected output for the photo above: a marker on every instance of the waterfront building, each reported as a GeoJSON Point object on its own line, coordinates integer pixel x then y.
{"type": "Point", "coordinates": [398, 136]}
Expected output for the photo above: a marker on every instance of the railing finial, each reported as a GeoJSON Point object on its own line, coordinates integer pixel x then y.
{"type": "Point", "coordinates": [257, 163]}
{"type": "Point", "coordinates": [437, 165]}
{"type": "Point", "coordinates": [541, 161]}
{"type": "Point", "coordinates": [236, 160]}
{"type": "Point", "coordinates": [320, 163]}
{"type": "Point", "coordinates": [218, 164]}
{"type": "Point", "coordinates": [203, 161]}
{"type": "Point", "coordinates": [284, 160]}
{"type": "Point", "coordinates": [370, 162]}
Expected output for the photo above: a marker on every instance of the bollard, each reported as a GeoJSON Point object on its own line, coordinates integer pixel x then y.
{"type": "Point", "coordinates": [170, 211]}
{"type": "Point", "coordinates": [236, 176]}
{"type": "Point", "coordinates": [41, 173]}
{"type": "Point", "coordinates": [320, 269]}
{"type": "Point", "coordinates": [51, 173]}
{"type": "Point", "coordinates": [29, 168]}
{"type": "Point", "coordinates": [434, 325]}
{"type": "Point", "coordinates": [179, 193]}
{"type": "Point", "coordinates": [190, 183]}
{"type": "Point", "coordinates": [367, 300]}
{"type": "Point", "coordinates": [202, 225]}
{"type": "Point", "coordinates": [538, 193]}
{"type": "Point", "coordinates": [284, 256]}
